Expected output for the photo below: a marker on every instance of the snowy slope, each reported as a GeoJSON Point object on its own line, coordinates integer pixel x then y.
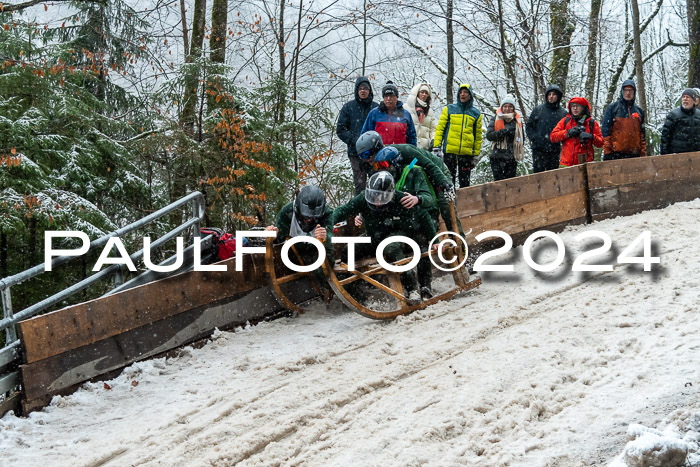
{"type": "Point", "coordinates": [530, 369]}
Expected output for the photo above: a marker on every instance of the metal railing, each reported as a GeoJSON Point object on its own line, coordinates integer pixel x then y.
{"type": "Point", "coordinates": [9, 354]}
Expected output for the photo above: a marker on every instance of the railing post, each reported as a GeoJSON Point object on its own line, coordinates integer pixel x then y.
{"type": "Point", "coordinates": [10, 332]}
{"type": "Point", "coordinates": [197, 213]}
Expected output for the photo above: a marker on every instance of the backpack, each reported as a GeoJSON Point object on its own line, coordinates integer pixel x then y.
{"type": "Point", "coordinates": [226, 242]}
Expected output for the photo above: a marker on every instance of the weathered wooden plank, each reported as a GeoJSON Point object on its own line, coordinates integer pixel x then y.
{"type": "Point", "coordinates": [527, 217]}
{"type": "Point", "coordinates": [58, 372]}
{"type": "Point", "coordinates": [520, 190]}
{"type": "Point", "coordinates": [79, 325]}
{"type": "Point", "coordinates": [631, 199]}
{"type": "Point", "coordinates": [646, 169]}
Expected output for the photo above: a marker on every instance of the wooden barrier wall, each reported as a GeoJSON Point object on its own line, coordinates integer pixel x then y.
{"type": "Point", "coordinates": [626, 187]}
{"type": "Point", "coordinates": [524, 204]}
{"type": "Point", "coordinates": [69, 346]}
{"type": "Point", "coordinates": [72, 345]}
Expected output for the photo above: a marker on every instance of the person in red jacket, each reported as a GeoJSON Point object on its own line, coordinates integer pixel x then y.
{"type": "Point", "coordinates": [579, 132]}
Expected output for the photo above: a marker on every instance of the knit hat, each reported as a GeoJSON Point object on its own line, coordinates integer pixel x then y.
{"type": "Point", "coordinates": [390, 89]}
{"type": "Point", "coordinates": [424, 87]}
{"type": "Point", "coordinates": [509, 99]}
{"type": "Point", "coordinates": [692, 93]}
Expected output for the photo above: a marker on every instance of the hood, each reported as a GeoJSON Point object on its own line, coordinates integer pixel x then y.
{"type": "Point", "coordinates": [556, 89]}
{"type": "Point", "coordinates": [628, 82]}
{"type": "Point", "coordinates": [358, 81]}
{"type": "Point", "coordinates": [583, 102]}
{"type": "Point", "coordinates": [413, 95]}
{"type": "Point", "coordinates": [470, 102]}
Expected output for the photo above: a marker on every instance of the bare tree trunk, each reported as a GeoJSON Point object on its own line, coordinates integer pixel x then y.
{"type": "Point", "coordinates": [694, 40]}
{"type": "Point", "coordinates": [281, 109]}
{"type": "Point", "coordinates": [192, 78]}
{"type": "Point", "coordinates": [184, 28]}
{"type": "Point", "coordinates": [594, 26]}
{"type": "Point", "coordinates": [217, 46]}
{"type": "Point", "coordinates": [612, 88]}
{"type": "Point", "coordinates": [297, 52]}
{"type": "Point", "coordinates": [364, 37]}
{"type": "Point", "coordinates": [562, 29]}
{"type": "Point", "coordinates": [450, 53]}
{"type": "Point", "coordinates": [638, 59]}
{"type": "Point", "coordinates": [507, 58]}
{"type": "Point", "coordinates": [217, 40]}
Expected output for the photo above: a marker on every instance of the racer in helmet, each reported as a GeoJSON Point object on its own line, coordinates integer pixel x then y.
{"type": "Point", "coordinates": [368, 145]}
{"type": "Point", "coordinates": [307, 215]}
{"type": "Point", "coordinates": [384, 216]}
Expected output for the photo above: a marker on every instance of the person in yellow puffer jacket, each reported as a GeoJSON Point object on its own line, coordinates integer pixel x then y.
{"type": "Point", "coordinates": [458, 134]}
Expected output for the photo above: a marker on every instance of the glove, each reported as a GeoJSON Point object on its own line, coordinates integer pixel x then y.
{"type": "Point", "coordinates": [573, 132]}
{"type": "Point", "coordinates": [585, 137]}
{"type": "Point", "coordinates": [448, 190]}
{"type": "Point", "coordinates": [502, 133]}
{"type": "Point", "coordinates": [510, 131]}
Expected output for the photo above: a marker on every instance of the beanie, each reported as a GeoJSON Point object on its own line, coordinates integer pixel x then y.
{"type": "Point", "coordinates": [692, 93]}
{"type": "Point", "coordinates": [390, 89]}
{"type": "Point", "coordinates": [509, 99]}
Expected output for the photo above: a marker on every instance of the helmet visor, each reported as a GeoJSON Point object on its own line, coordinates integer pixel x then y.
{"type": "Point", "coordinates": [367, 154]}
{"type": "Point", "coordinates": [378, 197]}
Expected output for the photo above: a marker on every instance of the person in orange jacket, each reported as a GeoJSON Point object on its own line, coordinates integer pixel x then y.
{"type": "Point", "coordinates": [579, 133]}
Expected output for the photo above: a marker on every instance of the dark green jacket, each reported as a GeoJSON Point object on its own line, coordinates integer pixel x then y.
{"type": "Point", "coordinates": [394, 219]}
{"type": "Point", "coordinates": [416, 183]}
{"type": "Point", "coordinates": [283, 222]}
{"type": "Point", "coordinates": [427, 160]}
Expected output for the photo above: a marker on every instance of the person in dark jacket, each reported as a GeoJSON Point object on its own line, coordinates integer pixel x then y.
{"type": "Point", "coordinates": [623, 126]}
{"type": "Point", "coordinates": [681, 131]}
{"type": "Point", "coordinates": [390, 119]}
{"type": "Point", "coordinates": [307, 215]}
{"type": "Point", "coordinates": [384, 216]}
{"type": "Point", "coordinates": [432, 165]}
{"type": "Point", "coordinates": [349, 128]}
{"type": "Point", "coordinates": [505, 131]}
{"type": "Point", "coordinates": [543, 119]}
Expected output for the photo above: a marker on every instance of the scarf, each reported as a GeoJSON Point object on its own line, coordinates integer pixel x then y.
{"type": "Point", "coordinates": [294, 228]}
{"type": "Point", "coordinates": [421, 109]}
{"type": "Point", "coordinates": [518, 142]}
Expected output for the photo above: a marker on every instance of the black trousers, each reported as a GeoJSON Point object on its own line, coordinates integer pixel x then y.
{"type": "Point", "coordinates": [542, 161]}
{"type": "Point", "coordinates": [359, 173]}
{"type": "Point", "coordinates": [460, 168]}
{"type": "Point", "coordinates": [613, 156]}
{"type": "Point", "coordinates": [503, 168]}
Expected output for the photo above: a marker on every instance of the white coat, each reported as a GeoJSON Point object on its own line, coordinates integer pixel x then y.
{"type": "Point", "coordinates": [425, 131]}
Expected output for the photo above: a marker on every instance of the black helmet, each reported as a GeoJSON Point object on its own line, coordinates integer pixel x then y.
{"type": "Point", "coordinates": [380, 190]}
{"type": "Point", "coordinates": [309, 206]}
{"type": "Point", "coordinates": [368, 144]}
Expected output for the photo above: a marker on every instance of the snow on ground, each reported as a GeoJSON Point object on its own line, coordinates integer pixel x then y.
{"type": "Point", "coordinates": [555, 369]}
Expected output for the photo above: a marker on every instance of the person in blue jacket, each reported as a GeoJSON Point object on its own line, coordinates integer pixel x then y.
{"type": "Point", "coordinates": [390, 119]}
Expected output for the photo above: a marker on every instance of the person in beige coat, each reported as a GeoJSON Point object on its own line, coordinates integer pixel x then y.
{"type": "Point", "coordinates": [418, 105]}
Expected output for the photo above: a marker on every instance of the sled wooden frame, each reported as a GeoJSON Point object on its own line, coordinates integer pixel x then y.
{"type": "Point", "coordinates": [364, 270]}
{"type": "Point", "coordinates": [277, 281]}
